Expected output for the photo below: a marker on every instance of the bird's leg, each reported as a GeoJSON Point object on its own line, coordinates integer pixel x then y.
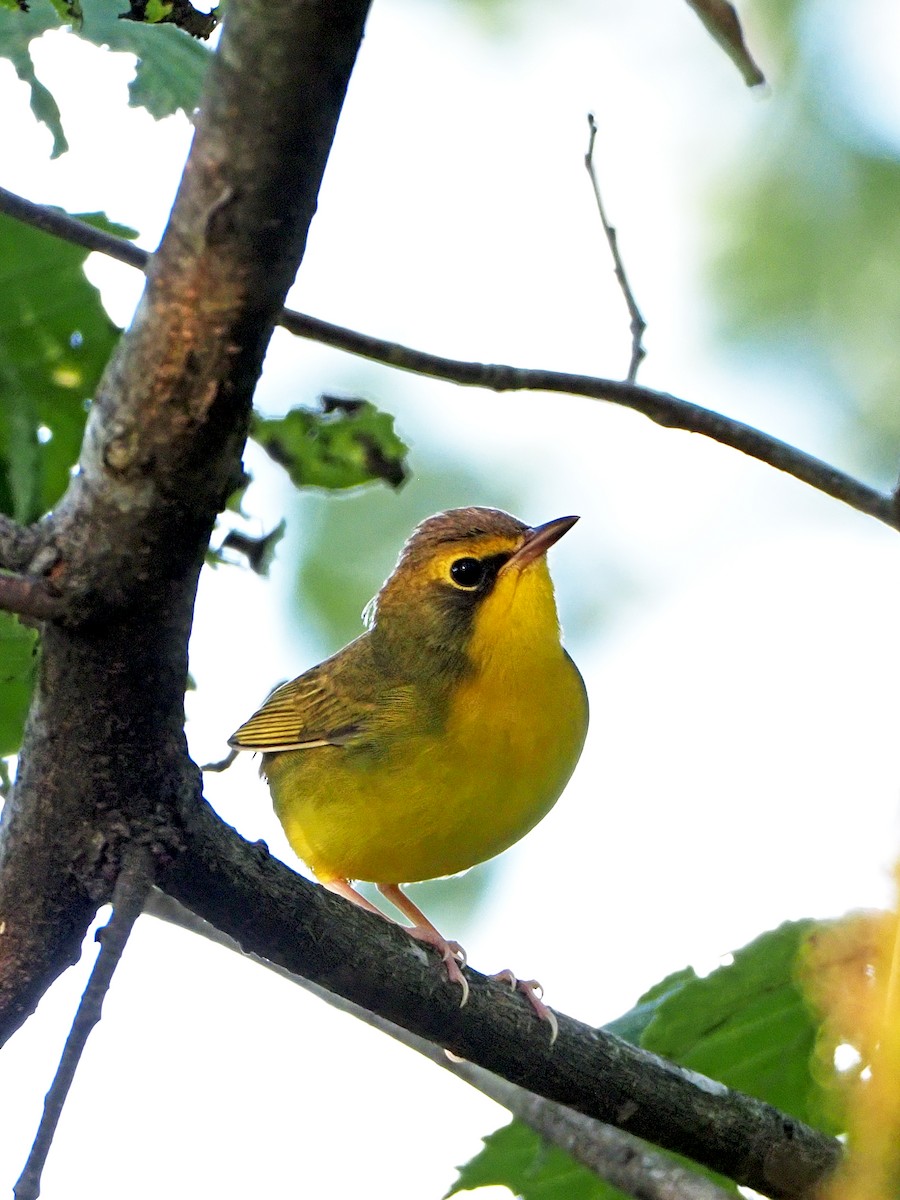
{"type": "Point", "coordinates": [452, 953]}
{"type": "Point", "coordinates": [342, 887]}
{"type": "Point", "coordinates": [533, 992]}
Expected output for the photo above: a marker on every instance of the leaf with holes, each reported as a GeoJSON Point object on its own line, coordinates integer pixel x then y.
{"type": "Point", "coordinates": [170, 63]}
{"type": "Point", "coordinates": [347, 443]}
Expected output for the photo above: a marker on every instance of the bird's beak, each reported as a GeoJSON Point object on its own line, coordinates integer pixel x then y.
{"type": "Point", "coordinates": [538, 541]}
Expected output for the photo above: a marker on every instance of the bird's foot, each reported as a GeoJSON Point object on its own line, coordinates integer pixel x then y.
{"type": "Point", "coordinates": [532, 990]}
{"type": "Point", "coordinates": [452, 955]}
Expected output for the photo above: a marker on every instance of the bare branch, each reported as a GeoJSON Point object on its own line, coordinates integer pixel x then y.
{"type": "Point", "coordinates": [638, 324]}
{"type": "Point", "coordinates": [661, 407]}
{"type": "Point", "coordinates": [128, 900]}
{"type": "Point", "coordinates": [622, 1160]}
{"type": "Point", "coordinates": [29, 597]}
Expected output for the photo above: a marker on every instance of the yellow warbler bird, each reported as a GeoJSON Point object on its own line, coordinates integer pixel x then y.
{"type": "Point", "coordinates": [443, 733]}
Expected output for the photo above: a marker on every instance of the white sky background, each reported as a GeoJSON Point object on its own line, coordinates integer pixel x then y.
{"type": "Point", "coordinates": [741, 764]}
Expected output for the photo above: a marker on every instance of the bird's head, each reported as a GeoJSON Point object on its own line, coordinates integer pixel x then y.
{"type": "Point", "coordinates": [470, 583]}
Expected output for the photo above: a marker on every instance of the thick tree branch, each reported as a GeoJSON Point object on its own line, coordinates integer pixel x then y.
{"type": "Point", "coordinates": [661, 407]}
{"type": "Point", "coordinates": [130, 892]}
{"type": "Point", "coordinates": [274, 913]}
{"type": "Point", "coordinates": [622, 1160]}
{"type": "Point", "coordinates": [104, 762]}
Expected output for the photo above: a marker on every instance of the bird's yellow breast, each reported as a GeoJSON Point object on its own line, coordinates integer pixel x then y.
{"type": "Point", "coordinates": [436, 793]}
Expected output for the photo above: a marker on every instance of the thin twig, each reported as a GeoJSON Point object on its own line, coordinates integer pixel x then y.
{"type": "Point", "coordinates": [220, 765]}
{"type": "Point", "coordinates": [28, 597]}
{"type": "Point", "coordinates": [664, 409]}
{"type": "Point", "coordinates": [58, 223]}
{"type": "Point", "coordinates": [128, 901]}
{"type": "Point", "coordinates": [638, 324]}
{"type": "Point", "coordinates": [624, 1161]}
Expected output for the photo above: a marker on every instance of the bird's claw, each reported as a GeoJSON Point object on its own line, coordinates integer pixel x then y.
{"type": "Point", "coordinates": [452, 955]}
{"type": "Point", "coordinates": [459, 953]}
{"type": "Point", "coordinates": [533, 991]}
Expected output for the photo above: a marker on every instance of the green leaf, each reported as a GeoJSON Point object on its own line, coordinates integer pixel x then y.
{"type": "Point", "coordinates": [347, 443]}
{"type": "Point", "coordinates": [68, 10]}
{"type": "Point", "coordinates": [169, 71]}
{"type": "Point", "coordinates": [631, 1025]}
{"type": "Point", "coordinates": [517, 1158]}
{"type": "Point", "coordinates": [749, 1025]}
{"type": "Point", "coordinates": [806, 241]}
{"type": "Point", "coordinates": [17, 659]}
{"type": "Point", "coordinates": [54, 343]}
{"type": "Point", "coordinates": [171, 64]}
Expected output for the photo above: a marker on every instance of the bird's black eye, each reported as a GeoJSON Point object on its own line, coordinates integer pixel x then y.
{"type": "Point", "coordinates": [468, 572]}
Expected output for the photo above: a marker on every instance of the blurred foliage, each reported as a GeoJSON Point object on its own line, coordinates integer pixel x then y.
{"type": "Point", "coordinates": [54, 344]}
{"type": "Point", "coordinates": [847, 968]}
{"type": "Point", "coordinates": [748, 1024]}
{"type": "Point", "coordinates": [809, 243]}
{"type": "Point", "coordinates": [170, 63]}
{"type": "Point", "coordinates": [17, 660]}
{"type": "Point", "coordinates": [345, 444]}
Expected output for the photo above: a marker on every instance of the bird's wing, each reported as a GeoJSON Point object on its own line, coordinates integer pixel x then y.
{"type": "Point", "coordinates": [333, 704]}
